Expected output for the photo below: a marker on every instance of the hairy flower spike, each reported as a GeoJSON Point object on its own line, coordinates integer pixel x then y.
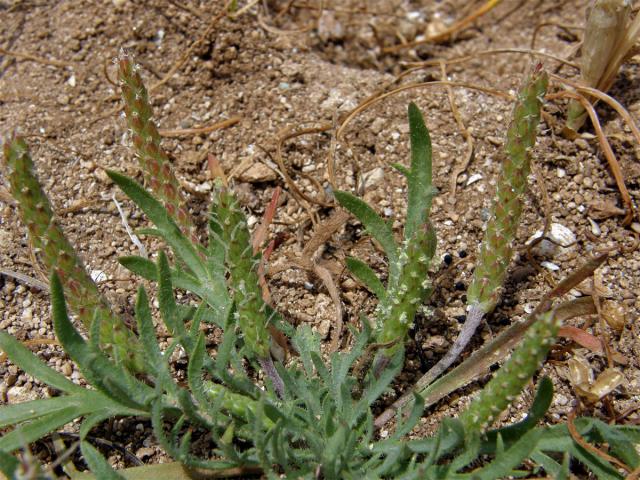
{"type": "Point", "coordinates": [243, 276]}
{"type": "Point", "coordinates": [83, 295]}
{"type": "Point", "coordinates": [397, 312]}
{"type": "Point", "coordinates": [513, 376]}
{"type": "Point", "coordinates": [496, 250]}
{"type": "Point", "coordinates": [154, 162]}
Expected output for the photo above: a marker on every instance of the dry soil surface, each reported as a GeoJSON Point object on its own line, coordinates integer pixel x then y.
{"type": "Point", "coordinates": [281, 71]}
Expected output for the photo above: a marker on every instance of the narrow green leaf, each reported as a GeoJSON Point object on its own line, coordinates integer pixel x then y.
{"type": "Point", "coordinates": [31, 410]}
{"type": "Point", "coordinates": [618, 444]}
{"type": "Point", "coordinates": [146, 330]}
{"type": "Point", "coordinates": [502, 466]}
{"type": "Point", "coordinates": [31, 431]}
{"type": "Point", "coordinates": [541, 404]}
{"type": "Point", "coordinates": [420, 191]}
{"type": "Point", "coordinates": [402, 169]}
{"type": "Point", "coordinates": [405, 427]}
{"type": "Point", "coordinates": [99, 371]}
{"type": "Point", "coordinates": [194, 370]}
{"type": "Point", "coordinates": [380, 384]}
{"type": "Point", "coordinates": [156, 212]}
{"type": "Point", "coordinates": [140, 266]}
{"type": "Point", "coordinates": [551, 467]}
{"type": "Point", "coordinates": [33, 366]}
{"type": "Point", "coordinates": [376, 227]}
{"type": "Point", "coordinates": [97, 463]}
{"type": "Point", "coordinates": [168, 307]}
{"type": "Point", "coordinates": [8, 464]}
{"type": "Point", "coordinates": [365, 274]}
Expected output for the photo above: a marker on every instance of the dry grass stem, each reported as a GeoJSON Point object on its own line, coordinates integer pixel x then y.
{"type": "Point", "coordinates": [412, 86]}
{"type": "Point", "coordinates": [450, 31]}
{"type": "Point", "coordinates": [606, 149]}
{"type": "Point", "coordinates": [283, 136]}
{"type": "Point", "coordinates": [462, 166]}
{"type": "Point", "coordinates": [497, 51]}
{"type": "Point", "coordinates": [35, 58]}
{"type": "Point", "coordinates": [575, 435]}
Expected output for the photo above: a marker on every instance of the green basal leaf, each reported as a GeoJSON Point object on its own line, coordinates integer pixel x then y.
{"type": "Point", "coordinates": [420, 189]}
{"type": "Point", "coordinates": [97, 463]}
{"type": "Point", "coordinates": [33, 366]}
{"type": "Point", "coordinates": [541, 404]}
{"type": "Point", "coordinates": [402, 169]}
{"type": "Point", "coordinates": [404, 427]}
{"type": "Point", "coordinates": [618, 444]}
{"type": "Point", "coordinates": [365, 274]}
{"type": "Point", "coordinates": [156, 212]}
{"type": "Point", "coordinates": [96, 367]}
{"type": "Point", "coordinates": [375, 226]}
{"type": "Point", "coordinates": [504, 463]}
{"type": "Point", "coordinates": [31, 431]}
{"type": "Point", "coordinates": [8, 464]}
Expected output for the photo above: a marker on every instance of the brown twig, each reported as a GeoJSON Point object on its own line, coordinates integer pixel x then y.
{"type": "Point", "coordinates": [283, 136]}
{"type": "Point", "coordinates": [461, 167]}
{"type": "Point", "coordinates": [497, 51]}
{"type": "Point", "coordinates": [575, 435]}
{"type": "Point", "coordinates": [606, 149]}
{"type": "Point", "coordinates": [35, 58]}
{"type": "Point", "coordinates": [541, 25]}
{"type": "Point", "coordinates": [411, 86]}
{"type": "Point", "coordinates": [448, 32]}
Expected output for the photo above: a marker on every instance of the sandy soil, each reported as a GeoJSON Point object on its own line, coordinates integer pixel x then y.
{"type": "Point", "coordinates": [285, 73]}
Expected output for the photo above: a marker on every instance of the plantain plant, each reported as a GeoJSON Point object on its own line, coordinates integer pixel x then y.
{"type": "Point", "coordinates": [308, 418]}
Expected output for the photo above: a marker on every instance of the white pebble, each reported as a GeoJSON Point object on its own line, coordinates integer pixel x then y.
{"type": "Point", "coordinates": [98, 276]}
{"type": "Point", "coordinates": [474, 178]}
{"type": "Point", "coordinates": [550, 266]}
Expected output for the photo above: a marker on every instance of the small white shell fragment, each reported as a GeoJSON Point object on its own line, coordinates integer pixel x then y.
{"type": "Point", "coordinates": [72, 81]}
{"type": "Point", "coordinates": [252, 220]}
{"type": "Point", "coordinates": [558, 235]}
{"type": "Point", "coordinates": [595, 228]}
{"type": "Point", "coordinates": [474, 178]}
{"type": "Point", "coordinates": [561, 173]}
{"type": "Point", "coordinates": [561, 235]}
{"type": "Point", "coordinates": [373, 177]}
{"type": "Point", "coordinates": [98, 276]}
{"type": "Point", "coordinates": [550, 266]}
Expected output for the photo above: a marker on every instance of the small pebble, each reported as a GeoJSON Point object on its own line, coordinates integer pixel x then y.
{"type": "Point", "coordinates": [474, 178]}
{"type": "Point", "coordinates": [595, 228]}
{"type": "Point", "coordinates": [550, 266]}
{"type": "Point", "coordinates": [67, 369]}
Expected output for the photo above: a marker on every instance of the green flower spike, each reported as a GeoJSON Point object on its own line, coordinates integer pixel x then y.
{"type": "Point", "coordinates": [58, 255]}
{"type": "Point", "coordinates": [252, 312]}
{"type": "Point", "coordinates": [496, 249]}
{"type": "Point", "coordinates": [154, 162]}
{"type": "Point", "coordinates": [510, 380]}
